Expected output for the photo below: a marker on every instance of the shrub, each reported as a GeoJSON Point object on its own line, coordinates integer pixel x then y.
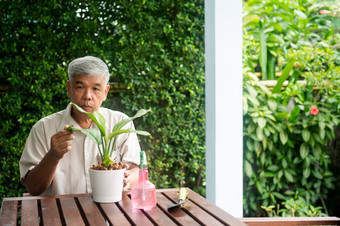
{"type": "Point", "coordinates": [153, 48]}
{"type": "Point", "coordinates": [286, 132]}
{"type": "Point", "coordinates": [285, 144]}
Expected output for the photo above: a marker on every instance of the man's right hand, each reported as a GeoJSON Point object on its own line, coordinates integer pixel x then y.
{"type": "Point", "coordinates": [61, 142]}
{"type": "Point", "coordinates": [41, 176]}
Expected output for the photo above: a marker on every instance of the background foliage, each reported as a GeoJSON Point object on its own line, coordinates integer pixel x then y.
{"type": "Point", "coordinates": [287, 157]}
{"type": "Point", "coordinates": [153, 48]}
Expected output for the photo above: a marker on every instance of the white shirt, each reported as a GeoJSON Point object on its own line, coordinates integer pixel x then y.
{"type": "Point", "coordinates": [72, 173]}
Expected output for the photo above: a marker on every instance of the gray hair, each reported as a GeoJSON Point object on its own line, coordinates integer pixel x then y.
{"type": "Point", "coordinates": [88, 65]}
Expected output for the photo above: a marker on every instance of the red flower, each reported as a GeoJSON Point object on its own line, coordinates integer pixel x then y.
{"type": "Point", "coordinates": [314, 111]}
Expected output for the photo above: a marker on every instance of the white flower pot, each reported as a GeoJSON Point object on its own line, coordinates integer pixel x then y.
{"type": "Point", "coordinates": [107, 185]}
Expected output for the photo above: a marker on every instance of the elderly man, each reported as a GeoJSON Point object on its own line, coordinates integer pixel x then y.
{"type": "Point", "coordinates": [56, 160]}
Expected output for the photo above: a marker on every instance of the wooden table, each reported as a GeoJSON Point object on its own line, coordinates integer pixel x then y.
{"type": "Point", "coordinates": [81, 210]}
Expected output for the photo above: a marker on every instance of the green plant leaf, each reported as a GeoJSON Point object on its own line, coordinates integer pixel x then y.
{"type": "Point", "coordinates": [280, 196]}
{"type": "Point", "coordinates": [93, 134]}
{"type": "Point", "coordinates": [97, 118]}
{"type": "Point", "coordinates": [259, 133]}
{"type": "Point", "coordinates": [122, 123]}
{"type": "Point", "coordinates": [273, 168]}
{"type": "Point", "coordinates": [306, 172]}
{"type": "Point", "coordinates": [305, 134]}
{"type": "Point", "coordinates": [117, 132]}
{"type": "Point", "coordinates": [304, 150]}
{"type": "Point", "coordinates": [106, 160]}
{"type": "Point", "coordinates": [252, 99]}
{"type": "Point", "coordinates": [317, 174]}
{"type": "Point", "coordinates": [294, 114]}
{"type": "Point", "coordinates": [283, 77]}
{"type": "Point", "coordinates": [271, 66]}
{"type": "Point", "coordinates": [322, 133]}
{"type": "Point", "coordinates": [283, 137]}
{"type": "Point", "coordinates": [272, 105]}
{"type": "Point", "coordinates": [263, 51]}
{"type": "Point", "coordinates": [248, 169]}
{"type": "Point", "coordinates": [288, 176]}
{"type": "Point", "coordinates": [280, 116]}
{"type": "Point", "coordinates": [261, 122]}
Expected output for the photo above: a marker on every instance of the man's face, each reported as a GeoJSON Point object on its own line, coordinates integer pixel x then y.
{"type": "Point", "coordinates": [88, 92]}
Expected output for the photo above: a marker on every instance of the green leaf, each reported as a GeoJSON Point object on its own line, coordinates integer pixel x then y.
{"type": "Point", "coordinates": [259, 187]}
{"type": "Point", "coordinates": [280, 116]}
{"type": "Point", "coordinates": [304, 150]}
{"type": "Point", "coordinates": [300, 14]}
{"type": "Point", "coordinates": [317, 174]}
{"type": "Point", "coordinates": [283, 77]}
{"type": "Point", "coordinates": [305, 134]}
{"type": "Point", "coordinates": [272, 105]}
{"type": "Point", "coordinates": [306, 172]}
{"type": "Point", "coordinates": [261, 122]}
{"type": "Point", "coordinates": [273, 168]}
{"type": "Point", "coordinates": [250, 145]}
{"type": "Point", "coordinates": [322, 125]}
{"type": "Point", "coordinates": [94, 134]}
{"type": "Point", "coordinates": [288, 176]}
{"type": "Point", "coordinates": [263, 51]}
{"type": "Point", "coordinates": [122, 123]}
{"type": "Point", "coordinates": [129, 130]}
{"type": "Point", "coordinates": [252, 99]}
{"type": "Point", "coordinates": [257, 148]}
{"type": "Point", "coordinates": [322, 133]}
{"type": "Point", "coordinates": [248, 169]}
{"type": "Point", "coordinates": [294, 114]}
{"type": "Point", "coordinates": [271, 66]}
{"type": "Point", "coordinates": [280, 196]}
{"type": "Point", "coordinates": [283, 137]}
{"type": "Point", "coordinates": [107, 161]}
{"type": "Point", "coordinates": [259, 133]}
{"type": "Point", "coordinates": [97, 118]}
{"type": "Point", "coordinates": [251, 127]}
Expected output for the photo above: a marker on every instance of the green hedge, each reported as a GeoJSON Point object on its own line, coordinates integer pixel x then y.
{"type": "Point", "coordinates": [154, 48]}
{"type": "Point", "coordinates": [287, 157]}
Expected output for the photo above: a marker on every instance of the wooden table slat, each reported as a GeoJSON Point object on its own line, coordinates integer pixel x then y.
{"type": "Point", "coordinates": [114, 214]}
{"type": "Point", "coordinates": [179, 215]}
{"type": "Point", "coordinates": [158, 214]}
{"type": "Point", "coordinates": [214, 210]}
{"type": "Point", "coordinates": [29, 212]}
{"type": "Point", "coordinates": [9, 212]}
{"type": "Point", "coordinates": [195, 211]}
{"type": "Point", "coordinates": [70, 211]}
{"type": "Point", "coordinates": [50, 213]}
{"type": "Point", "coordinates": [135, 215]}
{"type": "Point", "coordinates": [93, 214]}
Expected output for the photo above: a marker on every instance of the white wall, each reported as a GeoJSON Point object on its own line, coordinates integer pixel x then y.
{"type": "Point", "coordinates": [223, 52]}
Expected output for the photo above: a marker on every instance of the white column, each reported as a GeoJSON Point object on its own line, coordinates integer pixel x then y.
{"type": "Point", "coordinates": [223, 53]}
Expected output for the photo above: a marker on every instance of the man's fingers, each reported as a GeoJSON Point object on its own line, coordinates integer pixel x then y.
{"type": "Point", "coordinates": [65, 144]}
{"type": "Point", "coordinates": [64, 135]}
{"type": "Point", "coordinates": [61, 142]}
{"type": "Point", "coordinates": [127, 173]}
{"type": "Point", "coordinates": [127, 186]}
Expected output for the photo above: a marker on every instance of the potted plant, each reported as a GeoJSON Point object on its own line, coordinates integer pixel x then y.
{"type": "Point", "coordinates": [107, 177]}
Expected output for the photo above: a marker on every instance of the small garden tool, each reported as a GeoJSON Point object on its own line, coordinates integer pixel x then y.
{"type": "Point", "coordinates": [182, 197]}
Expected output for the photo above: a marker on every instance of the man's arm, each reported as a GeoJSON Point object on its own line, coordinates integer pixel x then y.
{"type": "Point", "coordinates": [40, 177]}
